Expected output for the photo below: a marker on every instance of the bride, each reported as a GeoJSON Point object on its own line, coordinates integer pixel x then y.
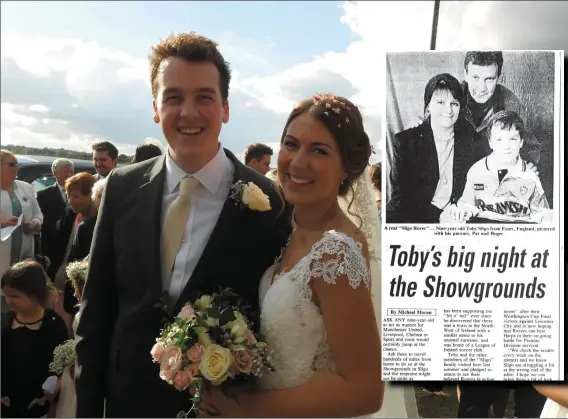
{"type": "Point", "coordinates": [320, 301]}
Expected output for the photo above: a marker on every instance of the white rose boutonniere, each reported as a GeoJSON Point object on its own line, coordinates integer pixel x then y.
{"type": "Point", "coordinates": [248, 195]}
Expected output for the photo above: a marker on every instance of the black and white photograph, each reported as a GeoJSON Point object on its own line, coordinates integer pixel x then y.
{"type": "Point", "coordinates": [470, 137]}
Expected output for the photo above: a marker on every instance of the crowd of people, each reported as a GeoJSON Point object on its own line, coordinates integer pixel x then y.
{"type": "Point", "coordinates": [40, 298]}
{"type": "Point", "coordinates": [98, 270]}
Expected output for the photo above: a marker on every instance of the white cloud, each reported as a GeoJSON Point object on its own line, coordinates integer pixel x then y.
{"type": "Point", "coordinates": [89, 91]}
{"type": "Point", "coordinates": [381, 26]}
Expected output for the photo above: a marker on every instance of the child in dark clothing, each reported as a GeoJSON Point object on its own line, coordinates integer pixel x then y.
{"type": "Point", "coordinates": [30, 333]}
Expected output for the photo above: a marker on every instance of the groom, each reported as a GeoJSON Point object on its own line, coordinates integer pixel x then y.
{"type": "Point", "coordinates": [221, 244]}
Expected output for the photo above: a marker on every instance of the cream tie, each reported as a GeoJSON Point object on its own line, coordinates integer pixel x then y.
{"type": "Point", "coordinates": [174, 226]}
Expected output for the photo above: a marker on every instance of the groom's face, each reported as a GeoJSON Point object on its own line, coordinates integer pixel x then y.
{"type": "Point", "coordinates": [189, 107]}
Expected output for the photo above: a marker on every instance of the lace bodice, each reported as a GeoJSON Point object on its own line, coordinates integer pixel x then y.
{"type": "Point", "coordinates": [291, 322]}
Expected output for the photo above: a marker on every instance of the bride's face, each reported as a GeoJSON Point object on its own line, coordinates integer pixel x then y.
{"type": "Point", "coordinates": [310, 166]}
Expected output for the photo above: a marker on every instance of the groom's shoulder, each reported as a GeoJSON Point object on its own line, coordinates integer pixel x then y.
{"type": "Point", "coordinates": [136, 171]}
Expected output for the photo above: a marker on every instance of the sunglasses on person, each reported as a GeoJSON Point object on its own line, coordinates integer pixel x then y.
{"type": "Point", "coordinates": [11, 164]}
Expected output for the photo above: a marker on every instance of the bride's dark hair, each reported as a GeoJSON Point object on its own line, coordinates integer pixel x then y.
{"type": "Point", "coordinates": [343, 119]}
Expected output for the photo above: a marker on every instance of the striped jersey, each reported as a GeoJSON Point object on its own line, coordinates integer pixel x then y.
{"type": "Point", "coordinates": [509, 194]}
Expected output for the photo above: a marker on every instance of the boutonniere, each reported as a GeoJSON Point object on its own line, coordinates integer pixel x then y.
{"type": "Point", "coordinates": [248, 195]}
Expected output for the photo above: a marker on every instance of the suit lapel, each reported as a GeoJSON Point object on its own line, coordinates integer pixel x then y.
{"type": "Point", "coordinates": [149, 222]}
{"type": "Point", "coordinates": [218, 237]}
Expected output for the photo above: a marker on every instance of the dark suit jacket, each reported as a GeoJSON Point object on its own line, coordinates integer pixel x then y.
{"type": "Point", "coordinates": [415, 174]}
{"type": "Point", "coordinates": [66, 221]}
{"type": "Point", "coordinates": [79, 251]}
{"type": "Point", "coordinates": [52, 205]}
{"type": "Point", "coordinates": [119, 322]}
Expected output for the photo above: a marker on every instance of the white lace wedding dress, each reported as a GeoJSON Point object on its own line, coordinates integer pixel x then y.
{"type": "Point", "coordinates": [292, 323]}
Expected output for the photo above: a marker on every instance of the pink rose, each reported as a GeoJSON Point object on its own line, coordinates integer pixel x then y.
{"type": "Point", "coordinates": [170, 363]}
{"type": "Point", "coordinates": [192, 371]}
{"type": "Point", "coordinates": [250, 337]}
{"type": "Point", "coordinates": [242, 361]}
{"type": "Point", "coordinates": [195, 353]}
{"type": "Point", "coordinates": [186, 313]}
{"type": "Point", "coordinates": [181, 381]}
{"type": "Point", "coordinates": [157, 351]}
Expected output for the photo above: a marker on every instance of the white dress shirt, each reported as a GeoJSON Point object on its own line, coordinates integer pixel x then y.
{"type": "Point", "coordinates": [206, 202]}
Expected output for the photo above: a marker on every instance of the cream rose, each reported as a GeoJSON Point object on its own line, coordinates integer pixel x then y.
{"type": "Point", "coordinates": [212, 322]}
{"type": "Point", "coordinates": [239, 321]}
{"type": "Point", "coordinates": [170, 363]}
{"type": "Point", "coordinates": [204, 302]}
{"type": "Point", "coordinates": [202, 336]}
{"type": "Point", "coordinates": [215, 364]}
{"type": "Point", "coordinates": [254, 198]}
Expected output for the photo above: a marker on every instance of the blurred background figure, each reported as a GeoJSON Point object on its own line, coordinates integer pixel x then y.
{"type": "Point", "coordinates": [257, 156]}
{"type": "Point", "coordinates": [17, 198]}
{"type": "Point", "coordinates": [52, 201]}
{"type": "Point", "coordinates": [149, 149]}
{"type": "Point", "coordinates": [30, 333]}
{"type": "Point", "coordinates": [105, 158]}
{"type": "Point", "coordinates": [74, 240]}
{"type": "Point", "coordinates": [97, 193]}
{"type": "Point", "coordinates": [272, 174]}
{"type": "Point", "coordinates": [375, 174]}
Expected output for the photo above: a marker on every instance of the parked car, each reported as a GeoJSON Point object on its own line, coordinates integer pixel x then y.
{"type": "Point", "coordinates": [36, 170]}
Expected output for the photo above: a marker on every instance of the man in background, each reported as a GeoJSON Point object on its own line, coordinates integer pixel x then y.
{"type": "Point", "coordinates": [258, 156]}
{"type": "Point", "coordinates": [52, 201]}
{"type": "Point", "coordinates": [485, 97]}
{"type": "Point", "coordinates": [105, 158]}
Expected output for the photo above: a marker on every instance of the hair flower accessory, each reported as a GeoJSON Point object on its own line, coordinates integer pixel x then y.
{"type": "Point", "coordinates": [248, 195]}
{"type": "Point", "coordinates": [334, 104]}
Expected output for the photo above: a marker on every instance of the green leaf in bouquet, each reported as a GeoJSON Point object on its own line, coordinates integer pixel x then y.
{"type": "Point", "coordinates": [213, 311]}
{"type": "Point", "coordinates": [217, 334]}
{"type": "Point", "coordinates": [227, 315]}
{"type": "Point", "coordinates": [182, 414]}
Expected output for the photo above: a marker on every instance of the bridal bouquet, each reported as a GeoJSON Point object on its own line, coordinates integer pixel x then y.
{"type": "Point", "coordinates": [210, 341]}
{"type": "Point", "coordinates": [63, 357]}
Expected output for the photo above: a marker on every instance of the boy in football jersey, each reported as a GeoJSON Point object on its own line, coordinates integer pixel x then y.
{"type": "Point", "coordinates": [499, 187]}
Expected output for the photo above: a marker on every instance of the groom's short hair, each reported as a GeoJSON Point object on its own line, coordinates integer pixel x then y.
{"type": "Point", "coordinates": [193, 48]}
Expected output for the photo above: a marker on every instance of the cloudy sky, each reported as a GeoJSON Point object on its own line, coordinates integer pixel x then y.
{"type": "Point", "coordinates": [75, 72]}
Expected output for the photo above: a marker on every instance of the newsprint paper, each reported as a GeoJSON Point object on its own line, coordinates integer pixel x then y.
{"type": "Point", "coordinates": [472, 217]}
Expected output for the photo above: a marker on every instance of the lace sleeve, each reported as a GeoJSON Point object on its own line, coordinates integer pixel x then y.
{"type": "Point", "coordinates": [339, 255]}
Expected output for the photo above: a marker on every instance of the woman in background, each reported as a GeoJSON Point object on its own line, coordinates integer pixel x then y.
{"type": "Point", "coordinates": [272, 174]}
{"type": "Point", "coordinates": [75, 234]}
{"type": "Point", "coordinates": [17, 199]}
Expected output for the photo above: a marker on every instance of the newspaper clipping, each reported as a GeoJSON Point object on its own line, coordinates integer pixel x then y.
{"type": "Point", "coordinates": [473, 241]}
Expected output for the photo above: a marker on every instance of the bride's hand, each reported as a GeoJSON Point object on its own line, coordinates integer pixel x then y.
{"type": "Point", "coordinates": [216, 404]}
